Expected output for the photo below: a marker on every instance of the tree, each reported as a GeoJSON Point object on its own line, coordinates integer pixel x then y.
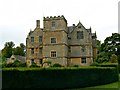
{"type": "Point", "coordinates": [7, 50]}
{"type": "Point", "coordinates": [19, 51]}
{"type": "Point", "coordinates": [110, 46]}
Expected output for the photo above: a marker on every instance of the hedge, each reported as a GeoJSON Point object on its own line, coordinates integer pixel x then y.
{"type": "Point", "coordinates": [62, 78]}
{"type": "Point", "coordinates": [109, 65]}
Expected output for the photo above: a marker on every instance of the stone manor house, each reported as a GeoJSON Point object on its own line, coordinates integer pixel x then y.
{"type": "Point", "coordinates": [59, 43]}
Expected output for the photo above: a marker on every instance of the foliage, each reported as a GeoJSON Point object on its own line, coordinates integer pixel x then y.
{"type": "Point", "coordinates": [61, 78]}
{"type": "Point", "coordinates": [110, 46]}
{"type": "Point", "coordinates": [19, 51]}
{"type": "Point", "coordinates": [76, 66]}
{"type": "Point", "coordinates": [16, 63]}
{"type": "Point", "coordinates": [113, 58]}
{"type": "Point", "coordinates": [34, 65]}
{"type": "Point", "coordinates": [9, 49]}
{"type": "Point", "coordinates": [109, 65]}
{"type": "Point", "coordinates": [56, 65]}
{"type": "Point", "coordinates": [94, 64]}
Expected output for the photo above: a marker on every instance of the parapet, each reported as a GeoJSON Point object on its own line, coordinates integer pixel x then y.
{"type": "Point", "coordinates": [54, 18]}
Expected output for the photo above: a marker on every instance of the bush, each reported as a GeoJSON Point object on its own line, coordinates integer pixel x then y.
{"type": "Point", "coordinates": [94, 64]}
{"type": "Point", "coordinates": [62, 78]}
{"type": "Point", "coordinates": [34, 65]}
{"type": "Point", "coordinates": [75, 65]}
{"type": "Point", "coordinates": [23, 65]}
{"type": "Point", "coordinates": [109, 65]}
{"type": "Point", "coordinates": [57, 65]}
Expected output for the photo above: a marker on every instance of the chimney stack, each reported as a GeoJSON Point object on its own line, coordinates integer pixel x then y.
{"type": "Point", "coordinates": [38, 23]}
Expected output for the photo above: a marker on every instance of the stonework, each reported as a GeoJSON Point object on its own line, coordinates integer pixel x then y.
{"type": "Point", "coordinates": [59, 43]}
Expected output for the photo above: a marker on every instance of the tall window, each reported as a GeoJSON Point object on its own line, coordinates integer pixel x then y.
{"type": "Point", "coordinates": [83, 60]}
{"type": "Point", "coordinates": [83, 48]}
{"type": "Point", "coordinates": [40, 38]}
{"type": "Point", "coordinates": [53, 23]}
{"type": "Point", "coordinates": [41, 61]}
{"type": "Point", "coordinates": [32, 61]}
{"type": "Point", "coordinates": [40, 50]}
{"type": "Point", "coordinates": [32, 39]}
{"type": "Point", "coordinates": [32, 50]}
{"type": "Point", "coordinates": [53, 40]}
{"type": "Point", "coordinates": [53, 53]}
{"type": "Point", "coordinates": [80, 35]}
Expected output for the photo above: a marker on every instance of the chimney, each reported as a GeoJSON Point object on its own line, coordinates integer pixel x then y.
{"type": "Point", "coordinates": [38, 23]}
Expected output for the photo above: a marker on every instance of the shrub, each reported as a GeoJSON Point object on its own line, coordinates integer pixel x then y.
{"type": "Point", "coordinates": [94, 64]}
{"type": "Point", "coordinates": [62, 78]}
{"type": "Point", "coordinates": [75, 65]}
{"type": "Point", "coordinates": [34, 65]}
{"type": "Point", "coordinates": [16, 63]}
{"type": "Point", "coordinates": [57, 65]}
{"type": "Point", "coordinates": [109, 65]}
{"type": "Point", "coordinates": [23, 65]}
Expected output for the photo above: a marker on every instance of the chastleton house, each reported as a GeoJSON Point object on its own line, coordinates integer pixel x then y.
{"type": "Point", "coordinates": [59, 43]}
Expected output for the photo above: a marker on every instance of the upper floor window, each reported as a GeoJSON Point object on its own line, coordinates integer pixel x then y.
{"type": "Point", "coordinates": [83, 48]}
{"type": "Point", "coordinates": [32, 50]}
{"type": "Point", "coordinates": [83, 60]}
{"type": "Point", "coordinates": [80, 35]}
{"type": "Point", "coordinates": [53, 23]}
{"type": "Point", "coordinates": [40, 50]}
{"type": "Point", "coordinates": [32, 39]}
{"type": "Point", "coordinates": [53, 40]}
{"type": "Point", "coordinates": [53, 53]}
{"type": "Point", "coordinates": [40, 38]}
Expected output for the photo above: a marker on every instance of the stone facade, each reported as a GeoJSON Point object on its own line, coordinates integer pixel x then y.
{"type": "Point", "coordinates": [59, 43]}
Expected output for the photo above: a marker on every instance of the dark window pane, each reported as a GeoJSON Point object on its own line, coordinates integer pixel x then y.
{"type": "Point", "coordinates": [83, 60]}
{"type": "Point", "coordinates": [40, 38]}
{"type": "Point", "coordinates": [32, 50]}
{"type": "Point", "coordinates": [41, 50]}
{"type": "Point", "coordinates": [53, 53]}
{"type": "Point", "coordinates": [53, 40]}
{"type": "Point", "coordinates": [53, 24]}
{"type": "Point", "coordinates": [32, 39]}
{"type": "Point", "coordinates": [80, 35]}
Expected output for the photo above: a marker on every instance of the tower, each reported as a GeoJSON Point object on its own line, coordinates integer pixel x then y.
{"type": "Point", "coordinates": [55, 44]}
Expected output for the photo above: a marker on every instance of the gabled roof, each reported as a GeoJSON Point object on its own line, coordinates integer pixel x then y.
{"type": "Point", "coordinates": [18, 57]}
{"type": "Point", "coordinates": [79, 24]}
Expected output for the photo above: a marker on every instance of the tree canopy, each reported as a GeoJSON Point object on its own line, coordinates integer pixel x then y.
{"type": "Point", "coordinates": [9, 49]}
{"type": "Point", "coordinates": [111, 46]}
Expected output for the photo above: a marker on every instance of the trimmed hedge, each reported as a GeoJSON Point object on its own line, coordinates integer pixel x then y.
{"type": "Point", "coordinates": [109, 65]}
{"type": "Point", "coordinates": [61, 78]}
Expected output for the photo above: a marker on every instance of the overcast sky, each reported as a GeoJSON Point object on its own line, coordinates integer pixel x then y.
{"type": "Point", "coordinates": [17, 17]}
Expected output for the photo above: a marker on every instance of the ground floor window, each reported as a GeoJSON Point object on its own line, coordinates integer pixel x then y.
{"type": "Point", "coordinates": [41, 61]}
{"type": "Point", "coordinates": [53, 53]}
{"type": "Point", "coordinates": [32, 61]}
{"type": "Point", "coordinates": [83, 60]}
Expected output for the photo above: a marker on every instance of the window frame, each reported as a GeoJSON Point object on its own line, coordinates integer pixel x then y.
{"type": "Point", "coordinates": [53, 24]}
{"type": "Point", "coordinates": [53, 54]}
{"type": "Point", "coordinates": [40, 50]}
{"type": "Point", "coordinates": [80, 35]}
{"type": "Point", "coordinates": [32, 50]}
{"type": "Point", "coordinates": [83, 60]}
{"type": "Point", "coordinates": [40, 38]}
{"type": "Point", "coordinates": [53, 42]}
{"type": "Point", "coordinates": [32, 39]}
